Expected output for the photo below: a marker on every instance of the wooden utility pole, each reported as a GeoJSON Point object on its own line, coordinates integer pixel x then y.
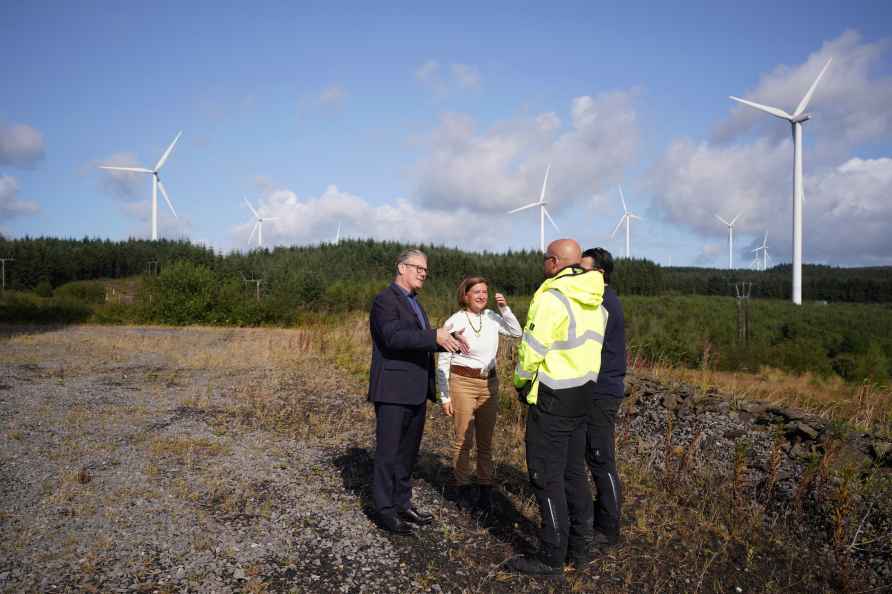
{"type": "Point", "coordinates": [3, 262]}
{"type": "Point", "coordinates": [152, 268]}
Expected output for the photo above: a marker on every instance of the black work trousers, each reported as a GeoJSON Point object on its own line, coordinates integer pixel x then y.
{"type": "Point", "coordinates": [601, 458]}
{"type": "Point", "coordinates": [556, 463]}
{"type": "Point", "coordinates": [398, 436]}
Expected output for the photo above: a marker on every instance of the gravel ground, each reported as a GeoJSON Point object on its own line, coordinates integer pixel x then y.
{"type": "Point", "coordinates": [114, 481]}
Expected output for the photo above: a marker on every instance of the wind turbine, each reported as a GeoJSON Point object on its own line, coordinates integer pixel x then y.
{"type": "Point", "coordinates": [156, 184]}
{"type": "Point", "coordinates": [542, 212]}
{"type": "Point", "coordinates": [627, 217]}
{"type": "Point", "coordinates": [258, 226]}
{"type": "Point", "coordinates": [764, 249]}
{"type": "Point", "coordinates": [338, 235]}
{"type": "Point", "coordinates": [796, 119]}
{"type": "Point", "coordinates": [730, 238]}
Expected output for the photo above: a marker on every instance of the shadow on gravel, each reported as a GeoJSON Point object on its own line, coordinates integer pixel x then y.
{"type": "Point", "coordinates": [505, 522]}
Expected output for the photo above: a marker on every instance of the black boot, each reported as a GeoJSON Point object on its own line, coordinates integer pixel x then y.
{"type": "Point", "coordinates": [606, 539]}
{"type": "Point", "coordinates": [579, 553]}
{"type": "Point", "coordinates": [546, 563]}
{"type": "Point", "coordinates": [484, 500]}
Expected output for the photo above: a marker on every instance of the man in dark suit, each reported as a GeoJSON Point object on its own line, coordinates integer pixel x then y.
{"type": "Point", "coordinates": [401, 380]}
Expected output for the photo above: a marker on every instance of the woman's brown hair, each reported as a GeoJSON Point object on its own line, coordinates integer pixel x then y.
{"type": "Point", "coordinates": [465, 286]}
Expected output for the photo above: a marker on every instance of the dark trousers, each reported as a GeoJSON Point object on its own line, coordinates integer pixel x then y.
{"type": "Point", "coordinates": [556, 463]}
{"type": "Point", "coordinates": [601, 458]}
{"type": "Point", "coordinates": [398, 432]}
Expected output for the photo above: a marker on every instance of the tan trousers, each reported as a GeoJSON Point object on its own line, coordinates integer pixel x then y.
{"type": "Point", "coordinates": [476, 405]}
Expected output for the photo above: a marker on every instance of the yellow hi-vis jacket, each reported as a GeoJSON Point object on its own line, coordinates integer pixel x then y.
{"type": "Point", "coordinates": [560, 352]}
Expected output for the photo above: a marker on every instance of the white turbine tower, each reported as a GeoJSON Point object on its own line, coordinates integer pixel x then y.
{"type": "Point", "coordinates": [542, 212]}
{"type": "Point", "coordinates": [627, 218]}
{"type": "Point", "coordinates": [258, 226]}
{"type": "Point", "coordinates": [730, 238]}
{"type": "Point", "coordinates": [764, 249]}
{"type": "Point", "coordinates": [156, 184]}
{"type": "Point", "coordinates": [338, 235]}
{"type": "Point", "coordinates": [796, 119]}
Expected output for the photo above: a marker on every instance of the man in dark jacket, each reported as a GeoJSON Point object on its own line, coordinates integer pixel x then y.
{"type": "Point", "coordinates": [401, 380]}
{"type": "Point", "coordinates": [609, 391]}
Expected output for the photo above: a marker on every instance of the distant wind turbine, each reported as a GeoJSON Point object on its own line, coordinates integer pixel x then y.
{"type": "Point", "coordinates": [338, 235]}
{"type": "Point", "coordinates": [796, 119]}
{"type": "Point", "coordinates": [258, 226]}
{"type": "Point", "coordinates": [627, 218]}
{"type": "Point", "coordinates": [730, 238]}
{"type": "Point", "coordinates": [542, 212]}
{"type": "Point", "coordinates": [156, 184]}
{"type": "Point", "coordinates": [764, 249]}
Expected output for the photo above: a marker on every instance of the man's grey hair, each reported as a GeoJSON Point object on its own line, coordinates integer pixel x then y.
{"type": "Point", "coordinates": [404, 257]}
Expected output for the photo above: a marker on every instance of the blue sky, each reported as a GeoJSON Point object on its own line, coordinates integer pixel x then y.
{"type": "Point", "coordinates": [399, 121]}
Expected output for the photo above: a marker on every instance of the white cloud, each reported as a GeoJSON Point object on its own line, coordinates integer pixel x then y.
{"type": "Point", "coordinates": [503, 167]}
{"type": "Point", "coordinates": [852, 104]}
{"type": "Point", "coordinates": [315, 219]}
{"type": "Point", "coordinates": [847, 212]}
{"type": "Point", "coordinates": [459, 77]}
{"type": "Point", "coordinates": [11, 205]}
{"type": "Point", "coordinates": [333, 95]}
{"type": "Point", "coordinates": [466, 76]}
{"type": "Point", "coordinates": [712, 255]}
{"type": "Point", "coordinates": [123, 185]}
{"type": "Point", "coordinates": [20, 145]}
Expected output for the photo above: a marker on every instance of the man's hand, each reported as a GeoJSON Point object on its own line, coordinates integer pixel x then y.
{"type": "Point", "coordinates": [523, 391]}
{"type": "Point", "coordinates": [447, 408]}
{"type": "Point", "coordinates": [501, 301]}
{"type": "Point", "coordinates": [452, 342]}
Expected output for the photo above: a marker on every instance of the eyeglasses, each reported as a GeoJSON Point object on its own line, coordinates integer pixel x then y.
{"type": "Point", "coordinates": [419, 269]}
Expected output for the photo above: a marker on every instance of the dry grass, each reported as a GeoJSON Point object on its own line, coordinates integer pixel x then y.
{"type": "Point", "coordinates": [865, 407]}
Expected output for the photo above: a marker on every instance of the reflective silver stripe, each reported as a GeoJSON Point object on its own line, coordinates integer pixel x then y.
{"type": "Point", "coordinates": [563, 384]}
{"type": "Point", "coordinates": [576, 341]}
{"type": "Point", "coordinates": [571, 324]}
{"type": "Point", "coordinates": [615, 496]}
{"type": "Point", "coordinates": [532, 342]}
{"type": "Point", "coordinates": [522, 374]}
{"type": "Point", "coordinates": [557, 531]}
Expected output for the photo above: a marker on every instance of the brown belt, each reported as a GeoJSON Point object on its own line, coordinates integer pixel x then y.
{"type": "Point", "coordinates": [469, 371]}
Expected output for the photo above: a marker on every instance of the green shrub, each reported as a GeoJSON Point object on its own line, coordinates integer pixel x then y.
{"type": "Point", "coordinates": [183, 293]}
{"type": "Point", "coordinates": [91, 292]}
{"type": "Point", "coordinates": [28, 309]}
{"type": "Point", "coordinates": [43, 289]}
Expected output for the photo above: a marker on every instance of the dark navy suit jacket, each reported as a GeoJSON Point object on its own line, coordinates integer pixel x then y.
{"type": "Point", "coordinates": [402, 369]}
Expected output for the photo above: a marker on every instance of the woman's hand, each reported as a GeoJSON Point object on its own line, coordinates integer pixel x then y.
{"type": "Point", "coordinates": [447, 408]}
{"type": "Point", "coordinates": [501, 301]}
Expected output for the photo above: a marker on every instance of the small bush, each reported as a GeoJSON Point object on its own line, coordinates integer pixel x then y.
{"type": "Point", "coordinates": [91, 292]}
{"type": "Point", "coordinates": [43, 289]}
{"type": "Point", "coordinates": [27, 309]}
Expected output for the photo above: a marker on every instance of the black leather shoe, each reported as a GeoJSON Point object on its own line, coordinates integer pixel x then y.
{"type": "Point", "coordinates": [531, 565]}
{"type": "Point", "coordinates": [416, 516]}
{"type": "Point", "coordinates": [393, 524]}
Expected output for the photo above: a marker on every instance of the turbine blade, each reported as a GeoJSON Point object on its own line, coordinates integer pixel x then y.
{"type": "Point", "coordinates": [269, 218]}
{"type": "Point", "coordinates": [523, 208]}
{"type": "Point", "coordinates": [758, 249]}
{"type": "Point", "coordinates": [550, 220]}
{"type": "Point", "coordinates": [805, 100]}
{"type": "Point", "coordinates": [131, 169]}
{"type": "Point", "coordinates": [545, 183]}
{"type": "Point", "coordinates": [167, 152]}
{"type": "Point", "coordinates": [723, 220]}
{"type": "Point", "coordinates": [734, 220]}
{"type": "Point", "coordinates": [166, 198]}
{"type": "Point", "coordinates": [779, 113]}
{"type": "Point", "coordinates": [257, 216]}
{"type": "Point", "coordinates": [634, 216]}
{"type": "Point", "coordinates": [623, 198]}
{"type": "Point", "coordinates": [254, 230]}
{"type": "Point", "coordinates": [618, 225]}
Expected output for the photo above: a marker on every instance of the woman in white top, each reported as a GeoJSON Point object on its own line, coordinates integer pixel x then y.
{"type": "Point", "coordinates": [468, 386]}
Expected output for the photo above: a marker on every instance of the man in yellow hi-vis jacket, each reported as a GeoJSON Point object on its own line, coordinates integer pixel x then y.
{"type": "Point", "coordinates": [557, 367]}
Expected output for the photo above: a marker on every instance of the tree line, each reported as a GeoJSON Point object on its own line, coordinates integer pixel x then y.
{"type": "Point", "coordinates": [52, 262]}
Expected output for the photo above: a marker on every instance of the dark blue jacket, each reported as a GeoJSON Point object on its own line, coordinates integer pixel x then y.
{"type": "Point", "coordinates": [613, 354]}
{"type": "Point", "coordinates": [402, 370]}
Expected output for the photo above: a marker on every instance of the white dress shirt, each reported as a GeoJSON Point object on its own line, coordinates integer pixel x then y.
{"type": "Point", "coordinates": [482, 333]}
